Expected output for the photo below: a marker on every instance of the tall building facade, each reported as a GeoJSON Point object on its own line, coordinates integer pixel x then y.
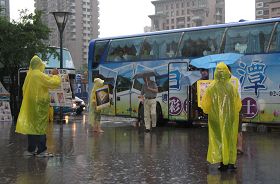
{"type": "Point", "coordinates": [81, 27]}
{"type": "Point", "coordinates": [173, 14]}
{"type": "Point", "coordinates": [267, 9]}
{"type": "Point", "coordinates": [5, 9]}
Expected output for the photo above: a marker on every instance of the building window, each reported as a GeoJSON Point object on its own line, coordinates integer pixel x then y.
{"type": "Point", "coordinates": [259, 5]}
{"type": "Point", "coordinates": [266, 4]}
{"type": "Point", "coordinates": [259, 12]}
{"type": "Point", "coordinates": [182, 5]}
{"type": "Point", "coordinates": [177, 5]}
{"type": "Point", "coordinates": [177, 13]}
{"type": "Point", "coordinates": [183, 12]}
{"type": "Point", "coordinates": [171, 6]}
{"type": "Point", "coordinates": [172, 13]}
{"type": "Point", "coordinates": [266, 12]}
{"type": "Point", "coordinates": [172, 21]}
{"type": "Point", "coordinates": [166, 7]}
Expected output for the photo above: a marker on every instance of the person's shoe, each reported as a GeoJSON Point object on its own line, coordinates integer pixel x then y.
{"type": "Point", "coordinates": [147, 130]}
{"type": "Point", "coordinates": [239, 152]}
{"type": "Point", "coordinates": [232, 167]}
{"type": "Point", "coordinates": [100, 131]}
{"type": "Point", "coordinates": [223, 167]}
{"type": "Point", "coordinates": [28, 153]}
{"type": "Point", "coordinates": [44, 154]}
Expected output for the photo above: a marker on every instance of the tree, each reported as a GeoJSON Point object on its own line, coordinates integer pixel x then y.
{"type": "Point", "coordinates": [20, 41]}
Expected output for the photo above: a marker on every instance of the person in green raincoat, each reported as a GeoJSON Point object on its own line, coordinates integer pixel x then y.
{"type": "Point", "coordinates": [34, 112]}
{"type": "Point", "coordinates": [94, 114]}
{"type": "Point", "coordinates": [222, 103]}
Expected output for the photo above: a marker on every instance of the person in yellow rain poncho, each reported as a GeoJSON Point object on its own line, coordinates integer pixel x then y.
{"type": "Point", "coordinates": [33, 116]}
{"type": "Point", "coordinates": [222, 104]}
{"type": "Point", "coordinates": [94, 114]}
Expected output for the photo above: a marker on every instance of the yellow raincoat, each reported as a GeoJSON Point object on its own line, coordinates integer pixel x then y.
{"type": "Point", "coordinates": [94, 114]}
{"type": "Point", "coordinates": [222, 104]}
{"type": "Point", "coordinates": [33, 117]}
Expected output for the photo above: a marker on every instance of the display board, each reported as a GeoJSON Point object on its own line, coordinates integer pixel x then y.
{"type": "Point", "coordinates": [5, 110]}
{"type": "Point", "coordinates": [102, 97]}
{"type": "Point", "coordinates": [62, 96]}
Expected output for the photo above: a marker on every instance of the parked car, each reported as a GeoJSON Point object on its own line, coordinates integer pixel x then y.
{"type": "Point", "coordinates": [78, 106]}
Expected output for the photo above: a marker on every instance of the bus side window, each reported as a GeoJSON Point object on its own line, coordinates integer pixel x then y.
{"type": "Point", "coordinates": [248, 39]}
{"type": "Point", "coordinates": [275, 44]}
{"type": "Point", "coordinates": [160, 46]}
{"type": "Point", "coordinates": [124, 49]}
{"type": "Point", "coordinates": [201, 43]}
{"type": "Point", "coordinates": [145, 52]}
{"type": "Point", "coordinates": [99, 49]}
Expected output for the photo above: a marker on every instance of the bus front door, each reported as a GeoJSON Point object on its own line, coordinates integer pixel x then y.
{"type": "Point", "coordinates": [178, 93]}
{"type": "Point", "coordinates": [123, 90]}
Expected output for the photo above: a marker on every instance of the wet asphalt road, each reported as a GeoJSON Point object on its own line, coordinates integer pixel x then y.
{"type": "Point", "coordinates": [125, 154]}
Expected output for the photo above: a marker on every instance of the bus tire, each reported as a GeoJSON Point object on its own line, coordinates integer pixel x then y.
{"type": "Point", "coordinates": [141, 116]}
{"type": "Point", "coordinates": [160, 120]}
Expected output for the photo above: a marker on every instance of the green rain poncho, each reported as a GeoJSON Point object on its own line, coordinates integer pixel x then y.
{"type": "Point", "coordinates": [222, 104]}
{"type": "Point", "coordinates": [93, 112]}
{"type": "Point", "coordinates": [33, 115]}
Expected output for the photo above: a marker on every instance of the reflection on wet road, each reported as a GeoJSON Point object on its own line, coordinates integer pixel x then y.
{"type": "Point", "coordinates": [125, 154]}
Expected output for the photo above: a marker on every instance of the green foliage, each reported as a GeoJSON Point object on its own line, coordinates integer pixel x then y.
{"type": "Point", "coordinates": [21, 40]}
{"type": "Point", "coordinates": [82, 69]}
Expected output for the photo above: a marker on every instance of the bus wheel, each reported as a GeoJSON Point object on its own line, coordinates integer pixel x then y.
{"type": "Point", "coordinates": [160, 120]}
{"type": "Point", "coordinates": [141, 116]}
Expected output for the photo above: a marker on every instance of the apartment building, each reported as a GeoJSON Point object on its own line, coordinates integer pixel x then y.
{"type": "Point", "coordinates": [81, 27]}
{"type": "Point", "coordinates": [5, 9]}
{"type": "Point", "coordinates": [173, 14]}
{"type": "Point", "coordinates": [267, 9]}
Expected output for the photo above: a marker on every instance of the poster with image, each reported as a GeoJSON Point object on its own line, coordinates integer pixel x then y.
{"type": "Point", "coordinates": [62, 96]}
{"type": "Point", "coordinates": [5, 110]}
{"type": "Point", "coordinates": [102, 97]}
{"type": "Point", "coordinates": [201, 89]}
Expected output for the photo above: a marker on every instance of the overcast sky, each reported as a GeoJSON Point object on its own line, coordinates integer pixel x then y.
{"type": "Point", "coordinates": [121, 17]}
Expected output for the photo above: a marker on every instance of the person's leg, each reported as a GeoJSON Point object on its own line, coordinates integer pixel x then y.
{"type": "Point", "coordinates": [42, 147]}
{"type": "Point", "coordinates": [98, 124]}
{"type": "Point", "coordinates": [31, 143]}
{"type": "Point", "coordinates": [42, 143]}
{"type": "Point", "coordinates": [240, 137]}
{"type": "Point", "coordinates": [95, 121]}
{"type": "Point", "coordinates": [240, 143]}
{"type": "Point", "coordinates": [154, 112]}
{"type": "Point", "coordinates": [147, 114]}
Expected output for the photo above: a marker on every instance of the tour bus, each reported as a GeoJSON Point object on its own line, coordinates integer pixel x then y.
{"type": "Point", "coordinates": [53, 61]}
{"type": "Point", "coordinates": [168, 55]}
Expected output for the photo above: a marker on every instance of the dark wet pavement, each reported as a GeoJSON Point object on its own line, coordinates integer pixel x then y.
{"type": "Point", "coordinates": [125, 154]}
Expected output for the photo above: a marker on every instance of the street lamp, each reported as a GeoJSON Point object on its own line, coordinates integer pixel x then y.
{"type": "Point", "coordinates": [60, 19]}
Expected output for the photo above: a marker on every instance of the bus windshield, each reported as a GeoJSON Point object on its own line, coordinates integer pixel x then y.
{"type": "Point", "coordinates": [53, 60]}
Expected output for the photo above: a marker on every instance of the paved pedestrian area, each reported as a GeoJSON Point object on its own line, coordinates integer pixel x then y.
{"type": "Point", "coordinates": [125, 154]}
